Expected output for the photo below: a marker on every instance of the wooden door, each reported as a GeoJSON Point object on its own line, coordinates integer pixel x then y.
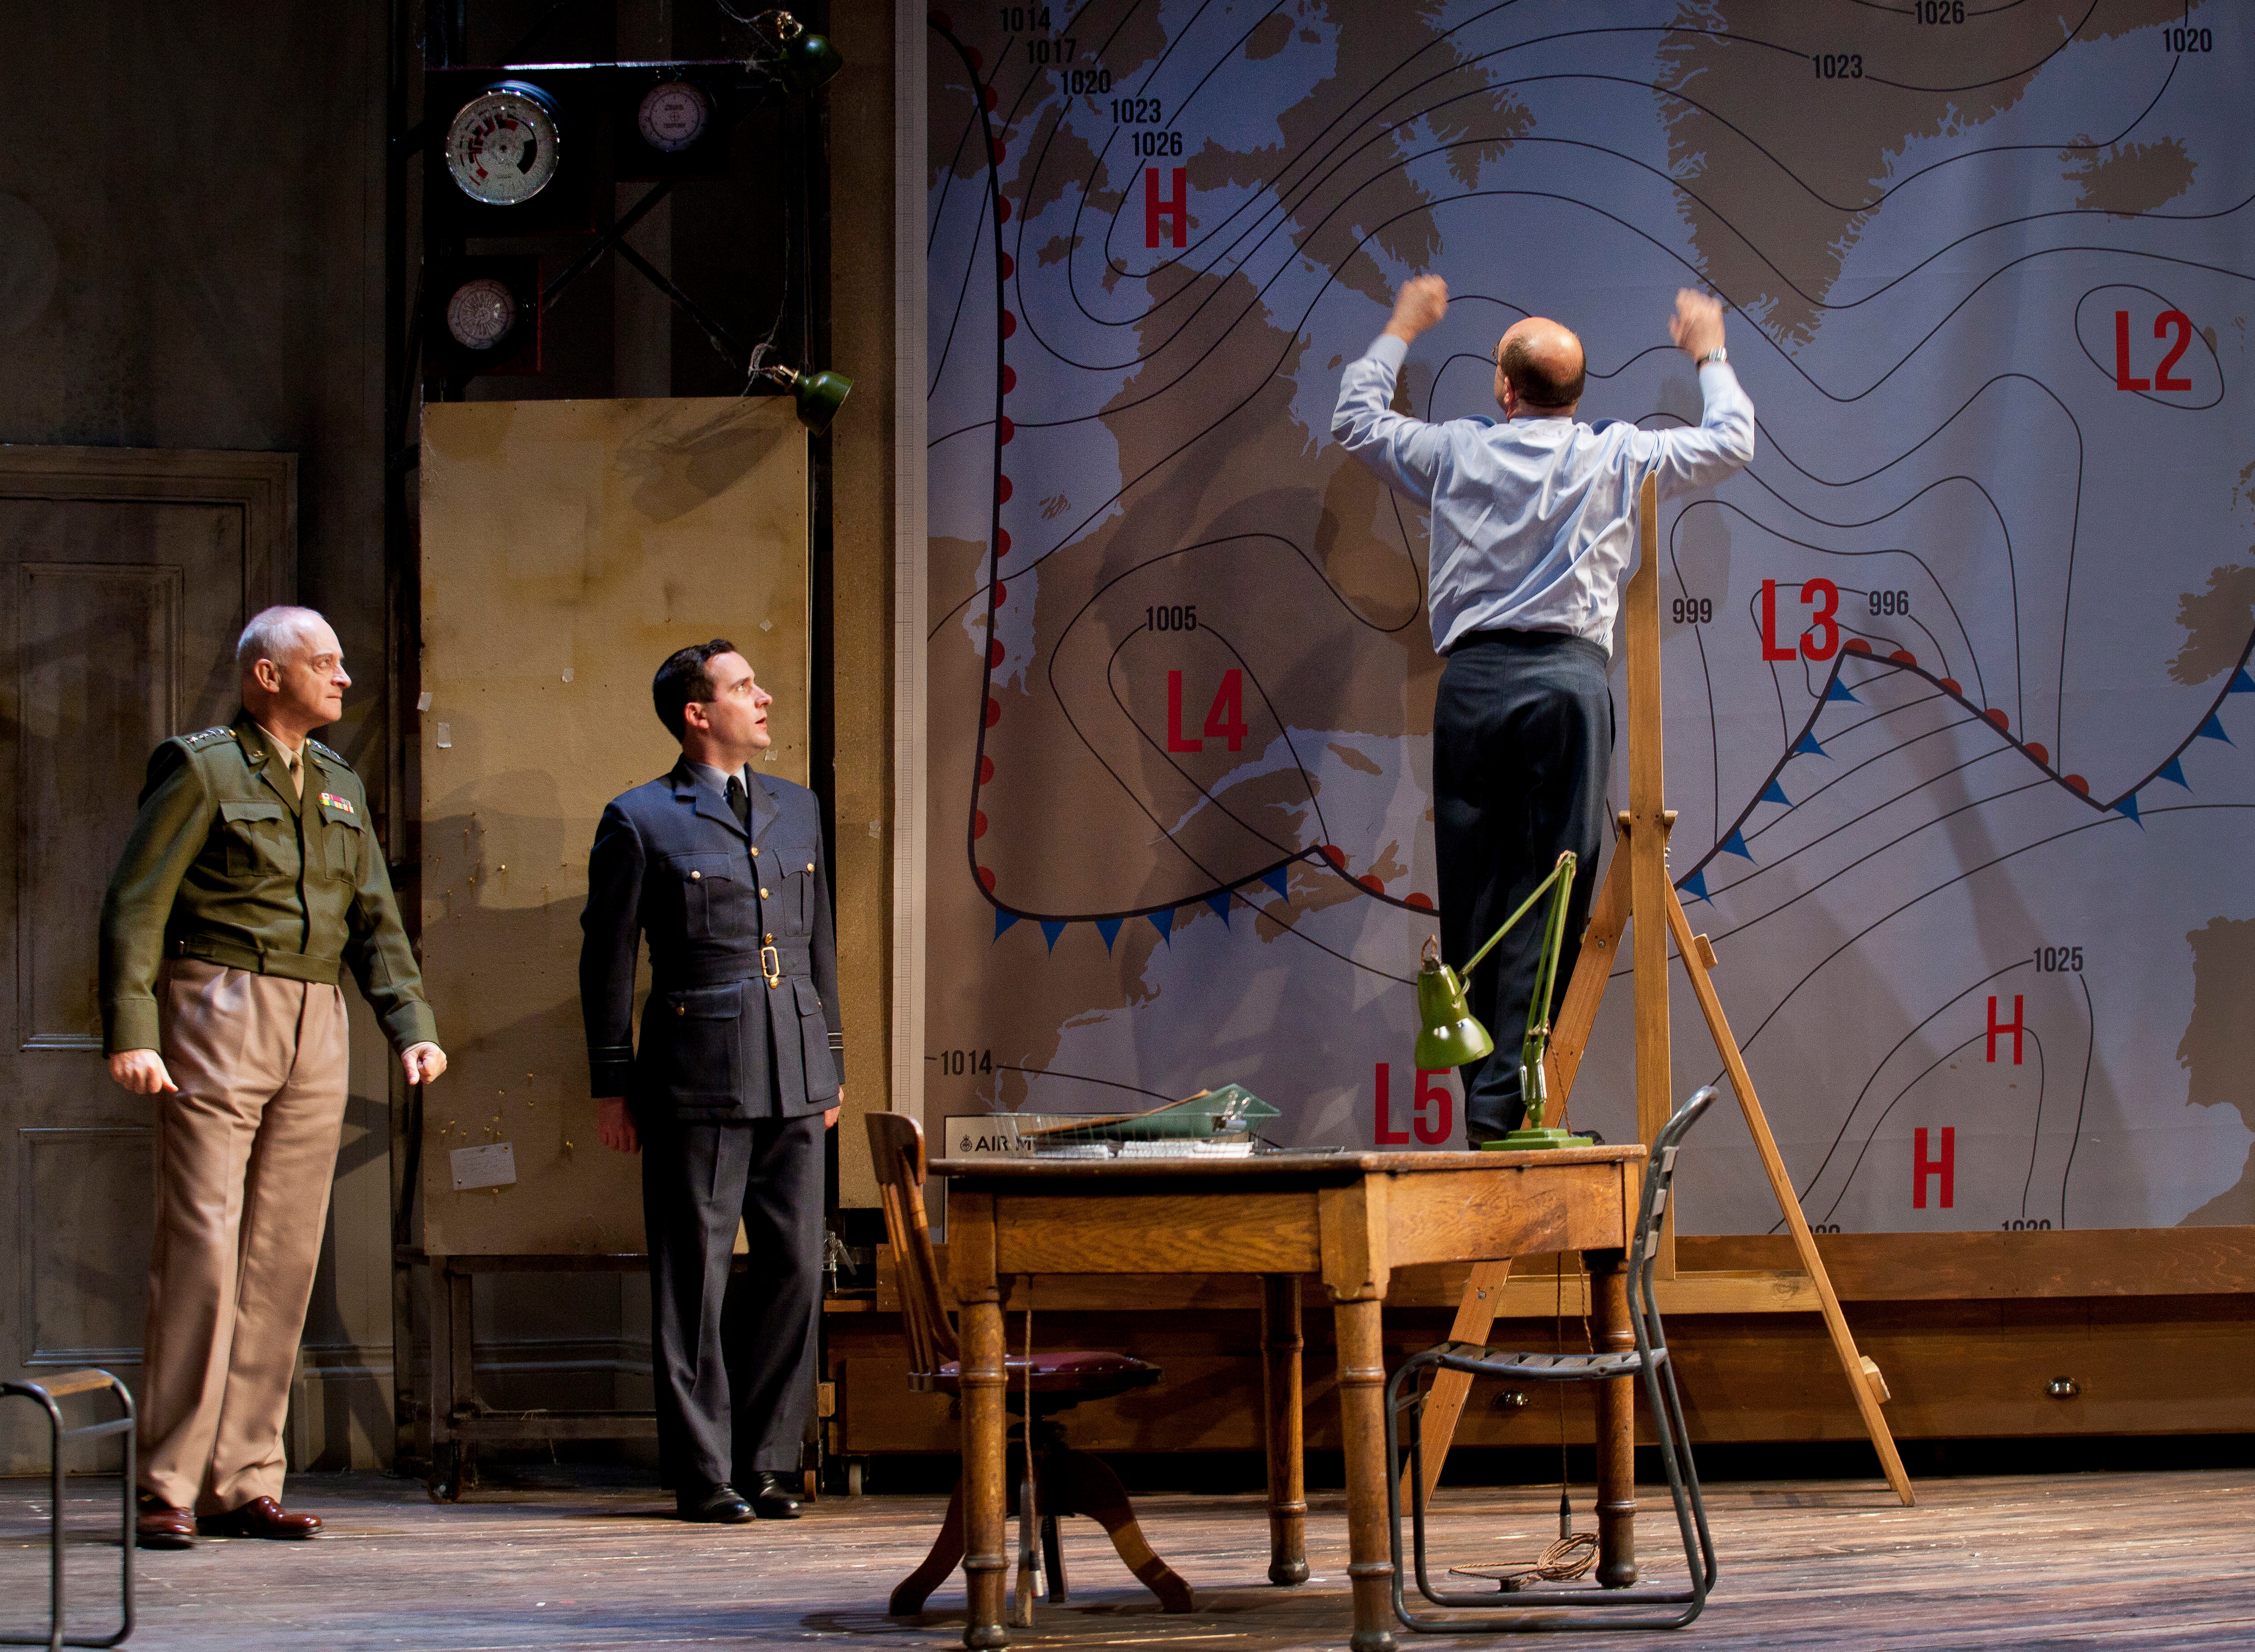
{"type": "Point", "coordinates": [125, 578]}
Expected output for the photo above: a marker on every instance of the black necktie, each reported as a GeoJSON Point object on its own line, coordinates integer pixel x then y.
{"type": "Point", "coordinates": [739, 801]}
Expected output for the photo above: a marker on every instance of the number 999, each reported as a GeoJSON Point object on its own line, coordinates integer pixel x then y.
{"type": "Point", "coordinates": [1694, 611]}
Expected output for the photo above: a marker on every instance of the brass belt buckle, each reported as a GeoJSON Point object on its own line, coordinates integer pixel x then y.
{"type": "Point", "coordinates": [771, 966]}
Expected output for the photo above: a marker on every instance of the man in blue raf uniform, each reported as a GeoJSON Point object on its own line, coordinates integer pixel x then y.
{"type": "Point", "coordinates": [721, 869]}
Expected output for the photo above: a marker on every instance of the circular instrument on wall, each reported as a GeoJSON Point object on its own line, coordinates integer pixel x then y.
{"type": "Point", "coordinates": [501, 144]}
{"type": "Point", "coordinates": [673, 116]}
{"type": "Point", "coordinates": [481, 313]}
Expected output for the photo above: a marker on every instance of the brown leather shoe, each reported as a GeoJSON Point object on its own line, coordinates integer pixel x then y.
{"type": "Point", "coordinates": [158, 1525]}
{"type": "Point", "coordinates": [260, 1517]}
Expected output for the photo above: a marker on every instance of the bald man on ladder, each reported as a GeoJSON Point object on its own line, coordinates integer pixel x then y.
{"type": "Point", "coordinates": [1533, 530]}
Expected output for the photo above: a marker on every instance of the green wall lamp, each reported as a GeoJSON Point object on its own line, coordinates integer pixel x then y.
{"type": "Point", "coordinates": [817, 395]}
{"type": "Point", "coordinates": [1452, 1035]}
{"type": "Point", "coordinates": [804, 61]}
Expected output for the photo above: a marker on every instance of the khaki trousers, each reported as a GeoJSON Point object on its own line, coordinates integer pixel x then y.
{"type": "Point", "coordinates": [246, 1152]}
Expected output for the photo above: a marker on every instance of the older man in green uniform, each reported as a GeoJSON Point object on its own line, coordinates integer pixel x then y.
{"type": "Point", "coordinates": [253, 877]}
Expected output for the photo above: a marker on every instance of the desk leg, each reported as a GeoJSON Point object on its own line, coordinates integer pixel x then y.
{"type": "Point", "coordinates": [1362, 1422]}
{"type": "Point", "coordinates": [1616, 1424]}
{"type": "Point", "coordinates": [985, 1501]}
{"type": "Point", "coordinates": [1280, 1343]}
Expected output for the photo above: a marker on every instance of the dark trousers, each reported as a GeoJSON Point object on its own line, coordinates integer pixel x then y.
{"type": "Point", "coordinates": [1522, 746]}
{"type": "Point", "coordinates": [731, 1362]}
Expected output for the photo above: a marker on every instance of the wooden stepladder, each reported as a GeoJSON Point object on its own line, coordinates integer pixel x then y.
{"type": "Point", "coordinates": [1637, 883]}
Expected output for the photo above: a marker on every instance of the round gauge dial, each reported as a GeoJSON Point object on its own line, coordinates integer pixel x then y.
{"type": "Point", "coordinates": [501, 145]}
{"type": "Point", "coordinates": [481, 313]}
{"type": "Point", "coordinates": [674, 115]}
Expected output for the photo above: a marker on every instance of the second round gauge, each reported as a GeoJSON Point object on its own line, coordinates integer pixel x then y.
{"type": "Point", "coordinates": [673, 116]}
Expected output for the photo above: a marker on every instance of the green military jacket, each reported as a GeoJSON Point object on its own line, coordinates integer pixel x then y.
{"type": "Point", "coordinates": [228, 864]}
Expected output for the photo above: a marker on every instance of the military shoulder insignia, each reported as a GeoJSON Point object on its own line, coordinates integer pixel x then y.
{"type": "Point", "coordinates": [342, 805]}
{"type": "Point", "coordinates": [320, 750]}
{"type": "Point", "coordinates": [208, 736]}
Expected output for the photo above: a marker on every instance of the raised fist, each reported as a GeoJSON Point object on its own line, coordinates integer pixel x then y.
{"type": "Point", "coordinates": [1421, 304]}
{"type": "Point", "coordinates": [1696, 326]}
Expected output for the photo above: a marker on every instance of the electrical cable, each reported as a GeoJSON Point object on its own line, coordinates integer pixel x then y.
{"type": "Point", "coordinates": [1575, 1553]}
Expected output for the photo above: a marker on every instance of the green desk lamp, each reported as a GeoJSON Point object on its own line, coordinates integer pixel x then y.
{"type": "Point", "coordinates": [1453, 1035]}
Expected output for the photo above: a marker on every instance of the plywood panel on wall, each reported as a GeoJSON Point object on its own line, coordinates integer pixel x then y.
{"type": "Point", "coordinates": [568, 547]}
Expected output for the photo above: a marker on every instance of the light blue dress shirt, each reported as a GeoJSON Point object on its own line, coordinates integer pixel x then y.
{"type": "Point", "coordinates": [718, 778]}
{"type": "Point", "coordinates": [1532, 519]}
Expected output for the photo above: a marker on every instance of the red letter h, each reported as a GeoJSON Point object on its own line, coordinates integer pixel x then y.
{"type": "Point", "coordinates": [1944, 1167]}
{"type": "Point", "coordinates": [2014, 1026]}
{"type": "Point", "coordinates": [1177, 206]}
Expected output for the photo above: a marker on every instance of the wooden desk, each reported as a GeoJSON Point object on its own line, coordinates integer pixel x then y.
{"type": "Point", "coordinates": [1351, 1218]}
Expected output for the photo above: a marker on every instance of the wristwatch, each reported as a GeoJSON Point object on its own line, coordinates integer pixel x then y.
{"type": "Point", "coordinates": [1717, 353]}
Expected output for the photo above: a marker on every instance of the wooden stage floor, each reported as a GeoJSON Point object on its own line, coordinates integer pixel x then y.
{"type": "Point", "coordinates": [2148, 1560]}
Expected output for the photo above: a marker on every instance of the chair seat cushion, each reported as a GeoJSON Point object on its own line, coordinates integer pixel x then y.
{"type": "Point", "coordinates": [1082, 1373]}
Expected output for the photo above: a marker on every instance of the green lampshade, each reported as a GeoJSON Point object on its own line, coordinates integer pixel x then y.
{"type": "Point", "coordinates": [820, 396]}
{"type": "Point", "coordinates": [808, 61]}
{"type": "Point", "coordinates": [1451, 1036]}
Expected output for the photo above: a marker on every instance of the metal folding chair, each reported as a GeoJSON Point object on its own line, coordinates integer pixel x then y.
{"type": "Point", "coordinates": [46, 1394]}
{"type": "Point", "coordinates": [1405, 1402]}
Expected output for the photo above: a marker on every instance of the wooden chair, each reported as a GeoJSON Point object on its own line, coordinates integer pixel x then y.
{"type": "Point", "coordinates": [1066, 1481]}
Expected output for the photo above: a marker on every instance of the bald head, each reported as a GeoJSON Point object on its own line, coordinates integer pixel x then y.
{"type": "Point", "coordinates": [1539, 368]}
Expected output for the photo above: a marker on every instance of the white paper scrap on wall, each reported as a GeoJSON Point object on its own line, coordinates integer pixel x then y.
{"type": "Point", "coordinates": [492, 1166]}
{"type": "Point", "coordinates": [445, 736]}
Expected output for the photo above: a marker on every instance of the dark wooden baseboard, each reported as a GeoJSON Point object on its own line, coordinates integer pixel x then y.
{"type": "Point", "coordinates": [2154, 1332]}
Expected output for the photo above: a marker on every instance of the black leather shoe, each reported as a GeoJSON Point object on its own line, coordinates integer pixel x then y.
{"type": "Point", "coordinates": [772, 1495]}
{"type": "Point", "coordinates": [716, 1506]}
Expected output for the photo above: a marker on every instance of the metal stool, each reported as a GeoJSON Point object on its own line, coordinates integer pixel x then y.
{"type": "Point", "coordinates": [1649, 1361]}
{"type": "Point", "coordinates": [46, 1394]}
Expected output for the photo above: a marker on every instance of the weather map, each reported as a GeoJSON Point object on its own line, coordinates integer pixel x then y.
{"type": "Point", "coordinates": [1958, 705]}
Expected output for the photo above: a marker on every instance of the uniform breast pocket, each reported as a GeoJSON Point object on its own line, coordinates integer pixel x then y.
{"type": "Point", "coordinates": [692, 1045]}
{"type": "Point", "coordinates": [343, 842]}
{"type": "Point", "coordinates": [712, 896]}
{"type": "Point", "coordinates": [794, 903]}
{"type": "Point", "coordinates": [256, 830]}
